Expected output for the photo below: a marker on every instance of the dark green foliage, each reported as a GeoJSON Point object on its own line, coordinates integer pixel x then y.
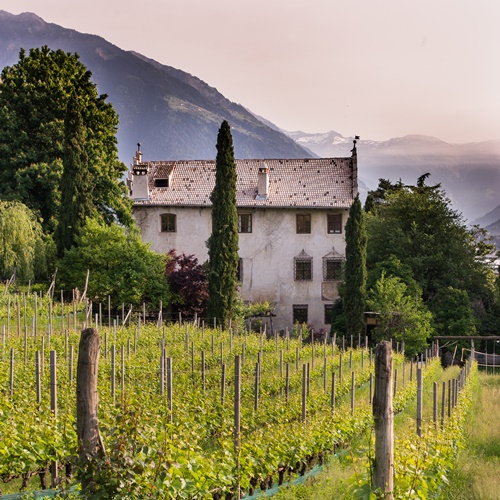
{"type": "Point", "coordinates": [76, 198]}
{"type": "Point", "coordinates": [34, 96]}
{"type": "Point", "coordinates": [416, 228]}
{"type": "Point", "coordinates": [355, 270]}
{"type": "Point", "coordinates": [338, 325]}
{"type": "Point", "coordinates": [223, 242]}
{"type": "Point", "coordinates": [120, 265]}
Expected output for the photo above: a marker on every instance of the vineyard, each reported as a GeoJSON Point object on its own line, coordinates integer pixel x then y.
{"type": "Point", "coordinates": [187, 411]}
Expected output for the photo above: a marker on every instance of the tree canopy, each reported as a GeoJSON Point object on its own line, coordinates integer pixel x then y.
{"type": "Point", "coordinates": [415, 235]}
{"type": "Point", "coordinates": [400, 316]}
{"type": "Point", "coordinates": [223, 242]}
{"type": "Point", "coordinates": [34, 98]}
{"type": "Point", "coordinates": [120, 265]}
{"type": "Point", "coordinates": [22, 246]}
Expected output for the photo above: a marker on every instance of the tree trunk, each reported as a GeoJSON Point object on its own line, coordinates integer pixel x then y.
{"type": "Point", "coordinates": [383, 415]}
{"type": "Point", "coordinates": [89, 438]}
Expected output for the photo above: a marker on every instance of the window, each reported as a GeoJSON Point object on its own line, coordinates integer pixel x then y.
{"type": "Point", "coordinates": [161, 183]}
{"type": "Point", "coordinates": [332, 269]}
{"type": "Point", "coordinates": [334, 223]}
{"type": "Point", "coordinates": [300, 313]}
{"type": "Point", "coordinates": [328, 314]}
{"type": "Point", "coordinates": [303, 223]}
{"type": "Point", "coordinates": [168, 223]}
{"type": "Point", "coordinates": [239, 271]}
{"type": "Point", "coordinates": [244, 223]}
{"type": "Point", "coordinates": [303, 267]}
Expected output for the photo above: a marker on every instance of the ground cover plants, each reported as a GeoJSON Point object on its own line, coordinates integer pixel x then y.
{"type": "Point", "coordinates": [178, 442]}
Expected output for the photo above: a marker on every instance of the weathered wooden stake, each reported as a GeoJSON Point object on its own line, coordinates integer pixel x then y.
{"type": "Point", "coordinates": [383, 414]}
{"type": "Point", "coordinates": [87, 400]}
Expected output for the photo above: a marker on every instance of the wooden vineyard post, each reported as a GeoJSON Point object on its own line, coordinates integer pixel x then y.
{"type": "Point", "coordinates": [11, 372]}
{"type": "Point", "coordinates": [237, 411]}
{"type": "Point", "coordinates": [353, 390]}
{"type": "Point", "coordinates": [332, 396]}
{"type": "Point", "coordinates": [223, 384]}
{"type": "Point", "coordinates": [256, 386]}
{"type": "Point", "coordinates": [419, 401]}
{"type": "Point", "coordinates": [38, 378]}
{"type": "Point", "coordinates": [170, 387]}
{"type": "Point", "coordinates": [383, 415]}
{"type": "Point", "coordinates": [53, 407]}
{"type": "Point", "coordinates": [304, 392]}
{"type": "Point", "coordinates": [87, 400]}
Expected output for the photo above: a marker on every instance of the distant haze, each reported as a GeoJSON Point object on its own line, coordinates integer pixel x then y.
{"type": "Point", "coordinates": [377, 69]}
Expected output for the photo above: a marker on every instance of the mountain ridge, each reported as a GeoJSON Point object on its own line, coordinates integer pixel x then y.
{"type": "Point", "coordinates": [176, 116]}
{"type": "Point", "coordinates": [172, 113]}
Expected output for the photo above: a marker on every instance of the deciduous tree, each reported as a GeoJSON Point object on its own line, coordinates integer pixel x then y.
{"type": "Point", "coordinates": [188, 284]}
{"type": "Point", "coordinates": [34, 96]}
{"type": "Point", "coordinates": [400, 316]}
{"type": "Point", "coordinates": [22, 247]}
{"type": "Point", "coordinates": [120, 265]}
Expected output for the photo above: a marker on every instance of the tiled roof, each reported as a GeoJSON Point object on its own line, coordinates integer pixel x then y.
{"type": "Point", "coordinates": [311, 183]}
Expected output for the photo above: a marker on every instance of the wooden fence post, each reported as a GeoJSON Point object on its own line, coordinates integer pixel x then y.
{"type": "Point", "coordinates": [383, 415]}
{"type": "Point", "coordinates": [87, 400]}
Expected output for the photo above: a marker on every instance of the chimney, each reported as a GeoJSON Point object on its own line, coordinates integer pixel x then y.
{"type": "Point", "coordinates": [263, 182]}
{"type": "Point", "coordinates": [139, 182]}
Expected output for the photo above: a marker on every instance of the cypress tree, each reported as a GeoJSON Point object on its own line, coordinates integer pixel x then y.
{"type": "Point", "coordinates": [76, 199]}
{"type": "Point", "coordinates": [355, 270]}
{"type": "Point", "coordinates": [223, 242]}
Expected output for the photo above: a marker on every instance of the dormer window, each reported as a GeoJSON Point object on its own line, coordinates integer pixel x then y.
{"type": "Point", "coordinates": [161, 183]}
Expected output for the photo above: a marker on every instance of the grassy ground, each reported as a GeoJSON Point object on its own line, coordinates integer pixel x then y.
{"type": "Point", "coordinates": [477, 472]}
{"type": "Point", "coordinates": [477, 475]}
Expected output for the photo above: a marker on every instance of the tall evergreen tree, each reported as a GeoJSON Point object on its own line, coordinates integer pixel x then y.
{"type": "Point", "coordinates": [76, 196]}
{"type": "Point", "coordinates": [355, 269]}
{"type": "Point", "coordinates": [223, 242]}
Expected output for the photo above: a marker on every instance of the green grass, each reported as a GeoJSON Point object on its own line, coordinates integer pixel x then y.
{"type": "Point", "coordinates": [477, 474]}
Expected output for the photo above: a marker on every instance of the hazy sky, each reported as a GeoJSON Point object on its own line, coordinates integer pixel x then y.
{"type": "Point", "coordinates": [376, 68]}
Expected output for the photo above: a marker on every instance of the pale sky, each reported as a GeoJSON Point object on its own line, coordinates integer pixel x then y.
{"type": "Point", "coordinates": [375, 68]}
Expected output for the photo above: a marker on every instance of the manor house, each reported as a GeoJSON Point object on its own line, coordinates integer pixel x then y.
{"type": "Point", "coordinates": [291, 219]}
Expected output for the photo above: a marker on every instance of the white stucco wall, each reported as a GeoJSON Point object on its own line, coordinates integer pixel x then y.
{"type": "Point", "coordinates": [267, 253]}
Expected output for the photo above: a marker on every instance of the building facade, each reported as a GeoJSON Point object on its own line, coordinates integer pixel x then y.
{"type": "Point", "coordinates": [291, 219]}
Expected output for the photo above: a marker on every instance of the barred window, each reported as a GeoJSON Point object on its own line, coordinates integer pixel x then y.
{"type": "Point", "coordinates": [328, 314]}
{"type": "Point", "coordinates": [168, 223]}
{"type": "Point", "coordinates": [244, 223]}
{"type": "Point", "coordinates": [303, 267]}
{"type": "Point", "coordinates": [303, 223]}
{"type": "Point", "coordinates": [332, 269]}
{"type": "Point", "coordinates": [334, 223]}
{"type": "Point", "coordinates": [299, 313]}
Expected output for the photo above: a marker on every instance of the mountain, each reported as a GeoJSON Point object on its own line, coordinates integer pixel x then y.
{"type": "Point", "coordinates": [489, 218]}
{"type": "Point", "coordinates": [469, 173]}
{"type": "Point", "coordinates": [172, 113]}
